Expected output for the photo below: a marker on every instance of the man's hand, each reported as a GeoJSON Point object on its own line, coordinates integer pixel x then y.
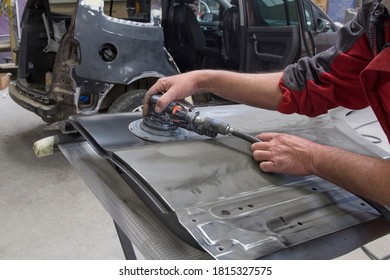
{"type": "Point", "coordinates": [173, 88]}
{"type": "Point", "coordinates": [283, 153]}
{"type": "Point", "coordinates": [258, 90]}
{"type": "Point", "coordinates": [362, 175]}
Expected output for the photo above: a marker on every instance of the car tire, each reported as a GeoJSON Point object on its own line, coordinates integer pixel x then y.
{"type": "Point", "coordinates": [130, 101]}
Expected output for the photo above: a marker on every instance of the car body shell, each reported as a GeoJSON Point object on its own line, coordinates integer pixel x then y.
{"type": "Point", "coordinates": [82, 60]}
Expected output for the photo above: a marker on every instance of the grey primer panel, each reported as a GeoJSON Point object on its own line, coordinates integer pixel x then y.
{"type": "Point", "coordinates": [140, 48]}
{"type": "Point", "coordinates": [211, 193]}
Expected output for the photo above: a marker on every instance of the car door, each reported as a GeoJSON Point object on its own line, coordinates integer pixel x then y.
{"type": "Point", "coordinates": [319, 27]}
{"type": "Point", "coordinates": [272, 34]}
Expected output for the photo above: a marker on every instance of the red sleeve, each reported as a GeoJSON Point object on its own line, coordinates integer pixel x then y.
{"type": "Point", "coordinates": [330, 79]}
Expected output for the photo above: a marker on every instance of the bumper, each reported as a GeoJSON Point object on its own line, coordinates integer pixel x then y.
{"type": "Point", "coordinates": [46, 111]}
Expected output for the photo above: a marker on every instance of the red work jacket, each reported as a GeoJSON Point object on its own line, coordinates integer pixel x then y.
{"type": "Point", "coordinates": [355, 73]}
{"type": "Point", "coordinates": [376, 82]}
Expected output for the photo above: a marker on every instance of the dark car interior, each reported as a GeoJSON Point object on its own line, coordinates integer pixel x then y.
{"type": "Point", "coordinates": [231, 36]}
{"type": "Point", "coordinates": [35, 56]}
{"type": "Point", "coordinates": [185, 40]}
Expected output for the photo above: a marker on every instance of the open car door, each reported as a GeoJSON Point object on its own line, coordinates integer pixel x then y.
{"type": "Point", "coordinates": [272, 34]}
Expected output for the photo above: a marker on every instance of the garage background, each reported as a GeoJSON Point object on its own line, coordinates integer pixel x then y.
{"type": "Point", "coordinates": [336, 9]}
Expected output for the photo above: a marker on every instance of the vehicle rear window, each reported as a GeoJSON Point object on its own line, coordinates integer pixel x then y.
{"type": "Point", "coordinates": [115, 8]}
{"type": "Point", "coordinates": [64, 7]}
{"type": "Point", "coordinates": [135, 10]}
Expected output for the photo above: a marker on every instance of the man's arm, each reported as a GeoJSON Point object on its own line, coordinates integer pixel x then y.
{"type": "Point", "coordinates": [259, 90]}
{"type": "Point", "coordinates": [365, 176]}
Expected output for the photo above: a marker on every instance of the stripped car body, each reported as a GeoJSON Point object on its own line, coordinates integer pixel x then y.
{"type": "Point", "coordinates": [90, 57]}
{"type": "Point", "coordinates": [91, 60]}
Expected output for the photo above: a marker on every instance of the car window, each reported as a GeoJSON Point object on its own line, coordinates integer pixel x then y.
{"type": "Point", "coordinates": [134, 10]}
{"type": "Point", "coordinates": [143, 11]}
{"type": "Point", "coordinates": [64, 7]}
{"type": "Point", "coordinates": [313, 14]}
{"type": "Point", "coordinates": [309, 16]}
{"type": "Point", "coordinates": [275, 12]}
{"type": "Point", "coordinates": [137, 10]}
{"type": "Point", "coordinates": [208, 10]}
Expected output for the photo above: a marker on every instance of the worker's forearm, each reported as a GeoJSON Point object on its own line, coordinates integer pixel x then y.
{"type": "Point", "coordinates": [259, 90]}
{"type": "Point", "coordinates": [365, 176]}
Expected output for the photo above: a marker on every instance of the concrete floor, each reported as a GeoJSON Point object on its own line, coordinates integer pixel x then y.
{"type": "Point", "coordinates": [47, 211]}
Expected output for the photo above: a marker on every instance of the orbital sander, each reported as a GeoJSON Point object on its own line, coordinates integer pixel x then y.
{"type": "Point", "coordinates": [176, 120]}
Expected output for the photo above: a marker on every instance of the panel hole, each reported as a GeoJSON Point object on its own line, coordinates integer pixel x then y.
{"type": "Point", "coordinates": [240, 208]}
{"type": "Point", "coordinates": [225, 212]}
{"type": "Point", "coordinates": [220, 248]}
{"type": "Point", "coordinates": [299, 223]}
{"type": "Point", "coordinates": [108, 52]}
{"type": "Point", "coordinates": [251, 205]}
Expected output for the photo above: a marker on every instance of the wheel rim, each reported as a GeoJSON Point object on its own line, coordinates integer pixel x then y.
{"type": "Point", "coordinates": [137, 109]}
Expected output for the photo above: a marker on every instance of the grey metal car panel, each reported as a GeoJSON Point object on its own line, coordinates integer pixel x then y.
{"type": "Point", "coordinates": [211, 191]}
{"type": "Point", "coordinates": [139, 48]}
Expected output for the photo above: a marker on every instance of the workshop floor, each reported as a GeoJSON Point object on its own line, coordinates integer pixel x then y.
{"type": "Point", "coordinates": [47, 211]}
